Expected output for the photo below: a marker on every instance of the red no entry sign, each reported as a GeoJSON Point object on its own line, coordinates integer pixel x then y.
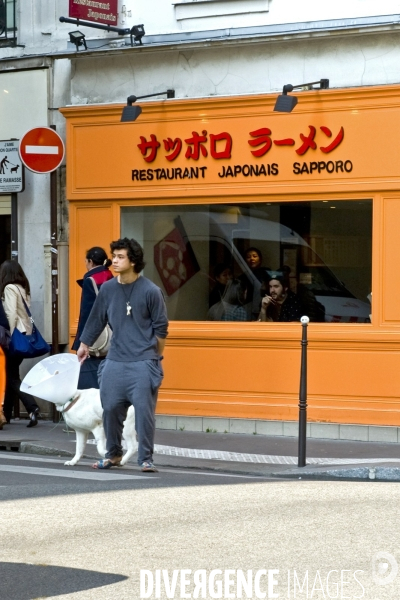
{"type": "Point", "coordinates": [41, 150]}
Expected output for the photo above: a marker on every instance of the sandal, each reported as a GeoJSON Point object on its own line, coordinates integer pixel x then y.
{"type": "Point", "coordinates": [105, 463]}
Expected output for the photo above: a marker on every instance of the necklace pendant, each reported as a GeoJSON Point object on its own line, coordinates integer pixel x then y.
{"type": "Point", "coordinates": [128, 308]}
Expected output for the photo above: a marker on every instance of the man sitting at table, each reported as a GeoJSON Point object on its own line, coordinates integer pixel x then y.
{"type": "Point", "coordinates": [279, 303]}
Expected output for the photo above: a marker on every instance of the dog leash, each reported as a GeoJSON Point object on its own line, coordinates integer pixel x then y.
{"type": "Point", "coordinates": [72, 402]}
{"type": "Point", "coordinates": [59, 421]}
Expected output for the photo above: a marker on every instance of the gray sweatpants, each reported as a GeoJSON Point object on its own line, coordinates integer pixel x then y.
{"type": "Point", "coordinates": [123, 384]}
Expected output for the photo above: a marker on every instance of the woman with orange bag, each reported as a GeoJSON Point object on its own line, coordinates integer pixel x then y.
{"type": "Point", "coordinates": [4, 324]}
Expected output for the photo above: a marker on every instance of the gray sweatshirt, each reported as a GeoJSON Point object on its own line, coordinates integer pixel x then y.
{"type": "Point", "coordinates": [134, 336]}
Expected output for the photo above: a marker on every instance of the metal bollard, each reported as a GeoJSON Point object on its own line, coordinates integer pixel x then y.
{"type": "Point", "coordinates": [303, 395]}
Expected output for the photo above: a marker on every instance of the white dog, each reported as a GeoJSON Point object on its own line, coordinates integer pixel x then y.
{"type": "Point", "coordinates": [86, 415]}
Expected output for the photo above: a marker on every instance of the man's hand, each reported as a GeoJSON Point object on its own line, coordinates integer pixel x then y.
{"type": "Point", "coordinates": [83, 353]}
{"type": "Point", "coordinates": [266, 301]}
{"type": "Point", "coordinates": [160, 346]}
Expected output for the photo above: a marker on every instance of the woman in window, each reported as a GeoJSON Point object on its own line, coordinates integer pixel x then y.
{"type": "Point", "coordinates": [253, 279]}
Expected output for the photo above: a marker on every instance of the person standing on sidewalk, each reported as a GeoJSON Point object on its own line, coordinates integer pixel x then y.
{"type": "Point", "coordinates": [97, 263]}
{"type": "Point", "coordinates": [5, 325]}
{"type": "Point", "coordinates": [134, 307]}
{"type": "Point", "coordinates": [14, 288]}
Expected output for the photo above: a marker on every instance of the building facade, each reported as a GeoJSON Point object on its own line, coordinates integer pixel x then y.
{"type": "Point", "coordinates": [202, 177]}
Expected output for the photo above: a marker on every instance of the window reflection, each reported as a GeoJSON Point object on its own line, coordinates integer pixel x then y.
{"type": "Point", "coordinates": [222, 262]}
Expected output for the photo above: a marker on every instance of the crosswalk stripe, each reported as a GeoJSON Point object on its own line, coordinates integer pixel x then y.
{"type": "Point", "coordinates": [223, 455]}
{"type": "Point", "coordinates": [269, 459]}
{"type": "Point", "coordinates": [258, 477]}
{"type": "Point", "coordinates": [25, 458]}
{"type": "Point", "coordinates": [83, 463]}
{"type": "Point", "coordinates": [95, 476]}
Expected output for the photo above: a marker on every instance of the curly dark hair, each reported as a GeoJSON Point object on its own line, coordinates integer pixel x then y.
{"type": "Point", "coordinates": [12, 272]}
{"type": "Point", "coordinates": [134, 251]}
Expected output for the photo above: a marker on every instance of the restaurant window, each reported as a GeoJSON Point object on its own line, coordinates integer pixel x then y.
{"type": "Point", "coordinates": [319, 252]}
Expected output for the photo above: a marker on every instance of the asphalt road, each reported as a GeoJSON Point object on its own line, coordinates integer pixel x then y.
{"type": "Point", "coordinates": [31, 476]}
{"type": "Point", "coordinates": [79, 534]}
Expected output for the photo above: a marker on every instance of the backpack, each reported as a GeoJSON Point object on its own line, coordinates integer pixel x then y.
{"type": "Point", "coordinates": [102, 345]}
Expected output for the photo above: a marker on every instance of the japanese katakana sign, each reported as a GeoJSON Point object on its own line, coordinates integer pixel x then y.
{"type": "Point", "coordinates": [220, 145]}
{"type": "Point", "coordinates": [217, 146]}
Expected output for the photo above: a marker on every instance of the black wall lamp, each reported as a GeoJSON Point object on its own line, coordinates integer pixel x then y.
{"type": "Point", "coordinates": [131, 113]}
{"type": "Point", "coordinates": [285, 103]}
{"type": "Point", "coordinates": [136, 32]}
{"type": "Point", "coordinates": [77, 38]}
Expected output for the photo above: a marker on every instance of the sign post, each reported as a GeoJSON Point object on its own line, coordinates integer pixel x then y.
{"type": "Point", "coordinates": [42, 151]}
{"type": "Point", "coordinates": [303, 395]}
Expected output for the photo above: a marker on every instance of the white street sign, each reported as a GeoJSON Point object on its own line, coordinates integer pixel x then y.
{"type": "Point", "coordinates": [41, 149]}
{"type": "Point", "coordinates": [11, 168]}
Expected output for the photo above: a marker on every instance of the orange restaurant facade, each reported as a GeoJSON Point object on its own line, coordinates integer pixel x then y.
{"type": "Point", "coordinates": [331, 167]}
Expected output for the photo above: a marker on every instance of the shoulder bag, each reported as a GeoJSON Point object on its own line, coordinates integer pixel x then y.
{"type": "Point", "coordinates": [102, 345]}
{"type": "Point", "coordinates": [23, 345]}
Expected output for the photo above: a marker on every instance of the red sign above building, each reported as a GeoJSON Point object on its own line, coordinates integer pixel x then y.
{"type": "Point", "coordinates": [93, 10]}
{"type": "Point", "coordinates": [41, 150]}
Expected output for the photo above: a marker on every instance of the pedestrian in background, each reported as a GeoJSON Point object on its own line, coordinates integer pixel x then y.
{"type": "Point", "coordinates": [14, 290]}
{"type": "Point", "coordinates": [135, 309]}
{"type": "Point", "coordinates": [97, 264]}
{"type": "Point", "coordinates": [4, 324]}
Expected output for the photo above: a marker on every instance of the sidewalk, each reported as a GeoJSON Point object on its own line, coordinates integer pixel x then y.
{"type": "Point", "coordinates": [229, 453]}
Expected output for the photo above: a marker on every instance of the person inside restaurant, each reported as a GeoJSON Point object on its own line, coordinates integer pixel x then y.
{"type": "Point", "coordinates": [234, 301]}
{"type": "Point", "coordinates": [279, 303]}
{"type": "Point", "coordinates": [254, 259]}
{"type": "Point", "coordinates": [222, 275]}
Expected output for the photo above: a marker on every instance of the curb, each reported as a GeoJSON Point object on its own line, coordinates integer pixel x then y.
{"type": "Point", "coordinates": [317, 473]}
{"type": "Point", "coordinates": [29, 448]}
{"type": "Point", "coordinates": [360, 473]}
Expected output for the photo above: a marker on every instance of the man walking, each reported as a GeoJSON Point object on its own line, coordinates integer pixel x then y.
{"type": "Point", "coordinates": [135, 309]}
